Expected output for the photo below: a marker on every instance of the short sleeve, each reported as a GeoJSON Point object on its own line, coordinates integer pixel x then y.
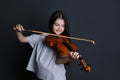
{"type": "Point", "coordinates": [32, 39]}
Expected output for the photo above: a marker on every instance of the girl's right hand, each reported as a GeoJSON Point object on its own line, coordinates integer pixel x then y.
{"type": "Point", "coordinates": [19, 28]}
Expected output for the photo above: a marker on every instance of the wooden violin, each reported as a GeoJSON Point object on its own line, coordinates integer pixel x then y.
{"type": "Point", "coordinates": [62, 43]}
{"type": "Point", "coordinates": [64, 46]}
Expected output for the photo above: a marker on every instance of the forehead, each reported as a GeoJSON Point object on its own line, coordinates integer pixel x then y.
{"type": "Point", "coordinates": [59, 20]}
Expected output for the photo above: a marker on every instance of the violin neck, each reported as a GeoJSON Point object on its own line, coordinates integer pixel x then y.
{"type": "Point", "coordinates": [68, 46]}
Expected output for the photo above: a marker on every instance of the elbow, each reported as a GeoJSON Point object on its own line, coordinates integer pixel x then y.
{"type": "Point", "coordinates": [23, 40]}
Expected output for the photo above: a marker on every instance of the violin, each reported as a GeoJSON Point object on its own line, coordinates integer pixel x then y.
{"type": "Point", "coordinates": [64, 46]}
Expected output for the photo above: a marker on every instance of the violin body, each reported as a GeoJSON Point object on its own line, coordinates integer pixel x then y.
{"type": "Point", "coordinates": [58, 43]}
{"type": "Point", "coordinates": [64, 46]}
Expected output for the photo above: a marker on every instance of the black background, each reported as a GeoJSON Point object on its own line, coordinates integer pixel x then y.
{"type": "Point", "coordinates": [92, 19]}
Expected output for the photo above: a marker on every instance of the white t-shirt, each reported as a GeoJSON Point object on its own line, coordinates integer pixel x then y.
{"type": "Point", "coordinates": [42, 60]}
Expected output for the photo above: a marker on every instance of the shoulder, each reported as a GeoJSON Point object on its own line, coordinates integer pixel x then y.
{"type": "Point", "coordinates": [37, 35]}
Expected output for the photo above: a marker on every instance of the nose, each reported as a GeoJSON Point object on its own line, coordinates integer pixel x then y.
{"type": "Point", "coordinates": [60, 27]}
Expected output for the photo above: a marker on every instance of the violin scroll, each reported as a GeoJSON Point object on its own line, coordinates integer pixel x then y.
{"type": "Point", "coordinates": [85, 66]}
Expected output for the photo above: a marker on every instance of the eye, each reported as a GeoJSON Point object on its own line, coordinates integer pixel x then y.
{"type": "Point", "coordinates": [56, 24]}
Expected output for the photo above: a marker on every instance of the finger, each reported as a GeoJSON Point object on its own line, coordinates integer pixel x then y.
{"type": "Point", "coordinates": [18, 28]}
{"type": "Point", "coordinates": [22, 28]}
{"type": "Point", "coordinates": [18, 25]}
{"type": "Point", "coordinates": [71, 53]}
{"type": "Point", "coordinates": [76, 54]}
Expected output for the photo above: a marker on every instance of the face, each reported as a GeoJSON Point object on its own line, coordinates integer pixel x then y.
{"type": "Point", "coordinates": [59, 26]}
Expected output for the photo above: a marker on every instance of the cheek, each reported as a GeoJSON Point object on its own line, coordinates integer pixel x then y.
{"type": "Point", "coordinates": [63, 28]}
{"type": "Point", "coordinates": [53, 28]}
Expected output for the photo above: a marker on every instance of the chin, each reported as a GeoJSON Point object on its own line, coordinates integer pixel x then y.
{"type": "Point", "coordinates": [58, 33]}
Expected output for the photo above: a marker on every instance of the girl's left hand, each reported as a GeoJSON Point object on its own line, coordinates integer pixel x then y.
{"type": "Point", "coordinates": [74, 55]}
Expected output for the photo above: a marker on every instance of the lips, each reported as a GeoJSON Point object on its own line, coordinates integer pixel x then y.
{"type": "Point", "coordinates": [58, 31]}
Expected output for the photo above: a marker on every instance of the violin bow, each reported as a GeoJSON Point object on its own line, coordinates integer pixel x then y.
{"type": "Point", "coordinates": [40, 32]}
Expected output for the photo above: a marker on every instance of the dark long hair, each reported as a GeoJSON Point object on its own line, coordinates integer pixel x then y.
{"type": "Point", "coordinates": [59, 14]}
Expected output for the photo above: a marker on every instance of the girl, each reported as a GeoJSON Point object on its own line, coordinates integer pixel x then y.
{"type": "Point", "coordinates": [44, 61]}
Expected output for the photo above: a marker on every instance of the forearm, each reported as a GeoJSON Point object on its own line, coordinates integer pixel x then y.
{"type": "Point", "coordinates": [63, 60]}
{"type": "Point", "coordinates": [19, 29]}
{"type": "Point", "coordinates": [21, 37]}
